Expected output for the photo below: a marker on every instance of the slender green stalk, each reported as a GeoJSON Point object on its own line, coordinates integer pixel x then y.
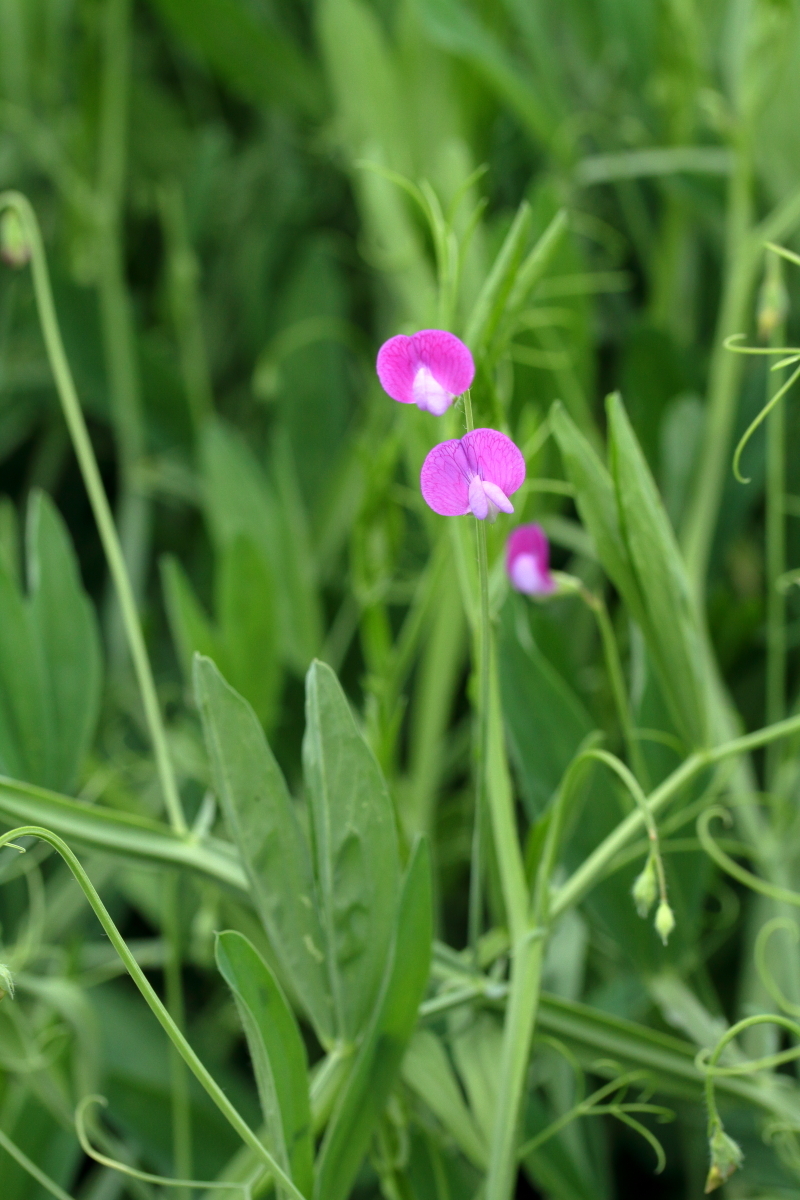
{"type": "Point", "coordinates": [773, 308]}
{"type": "Point", "coordinates": [98, 499]}
{"type": "Point", "coordinates": [725, 373]}
{"type": "Point", "coordinates": [523, 1003]}
{"type": "Point", "coordinates": [133, 507]}
{"type": "Point", "coordinates": [480, 652]}
{"type": "Point", "coordinates": [494, 790]}
{"type": "Point", "coordinates": [172, 1031]}
{"type": "Point", "coordinates": [179, 1081]}
{"type": "Point", "coordinates": [12, 1149]}
{"type": "Point", "coordinates": [483, 656]}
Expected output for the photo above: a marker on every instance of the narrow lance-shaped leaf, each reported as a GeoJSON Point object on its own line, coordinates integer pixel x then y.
{"type": "Point", "coordinates": [277, 1052]}
{"type": "Point", "coordinates": [597, 505]}
{"type": "Point", "coordinates": [489, 306]}
{"type": "Point", "coordinates": [656, 561]}
{"type": "Point", "coordinates": [262, 821]}
{"type": "Point", "coordinates": [355, 846]}
{"type": "Point", "coordinates": [379, 1058]}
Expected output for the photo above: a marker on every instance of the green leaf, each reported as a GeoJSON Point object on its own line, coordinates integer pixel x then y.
{"type": "Point", "coordinates": [246, 612]}
{"type": "Point", "coordinates": [428, 1072]}
{"type": "Point", "coordinates": [258, 61]}
{"type": "Point", "coordinates": [277, 1052]}
{"type": "Point", "coordinates": [653, 552]}
{"type": "Point", "coordinates": [490, 305]}
{"type": "Point", "coordinates": [244, 639]}
{"type": "Point", "coordinates": [192, 632]}
{"type": "Point", "coordinates": [597, 504]}
{"type": "Point", "coordinates": [241, 501]}
{"type": "Point", "coordinates": [380, 1055]}
{"type": "Point", "coordinates": [546, 722]}
{"type": "Point", "coordinates": [24, 725]}
{"type": "Point", "coordinates": [69, 640]}
{"type": "Point", "coordinates": [263, 822]}
{"type": "Point", "coordinates": [455, 28]}
{"type": "Point", "coordinates": [50, 665]}
{"type": "Point", "coordinates": [355, 844]}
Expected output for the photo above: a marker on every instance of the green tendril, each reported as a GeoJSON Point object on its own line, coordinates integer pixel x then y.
{"type": "Point", "coordinates": [133, 1172]}
{"type": "Point", "coordinates": [713, 850]}
{"type": "Point", "coordinates": [754, 424]}
{"type": "Point", "coordinates": [764, 973]}
{"type": "Point", "coordinates": [619, 1108]}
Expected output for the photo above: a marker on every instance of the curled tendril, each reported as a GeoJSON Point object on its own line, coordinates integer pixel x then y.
{"type": "Point", "coordinates": [764, 973]}
{"type": "Point", "coordinates": [245, 1189]}
{"type": "Point", "coordinates": [617, 1107]}
{"type": "Point", "coordinates": [788, 356]}
{"type": "Point", "coordinates": [706, 1061]}
{"type": "Point", "coordinates": [723, 860]}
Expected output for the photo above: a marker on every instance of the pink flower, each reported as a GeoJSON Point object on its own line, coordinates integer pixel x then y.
{"type": "Point", "coordinates": [428, 369]}
{"type": "Point", "coordinates": [528, 561]}
{"type": "Point", "coordinates": [476, 473]}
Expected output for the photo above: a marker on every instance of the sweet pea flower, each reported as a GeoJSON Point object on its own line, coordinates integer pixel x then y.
{"type": "Point", "coordinates": [428, 369]}
{"type": "Point", "coordinates": [528, 561]}
{"type": "Point", "coordinates": [476, 473]}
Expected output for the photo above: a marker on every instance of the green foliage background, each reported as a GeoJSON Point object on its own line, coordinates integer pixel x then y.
{"type": "Point", "coordinates": [233, 196]}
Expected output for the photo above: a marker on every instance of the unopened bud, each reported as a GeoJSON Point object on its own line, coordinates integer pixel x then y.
{"type": "Point", "coordinates": [6, 981]}
{"type": "Point", "coordinates": [14, 246]}
{"type": "Point", "coordinates": [773, 299]}
{"type": "Point", "coordinates": [645, 888]}
{"type": "Point", "coordinates": [726, 1157]}
{"type": "Point", "coordinates": [664, 922]}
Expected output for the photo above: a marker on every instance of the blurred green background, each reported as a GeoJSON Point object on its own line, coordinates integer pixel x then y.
{"type": "Point", "coordinates": [218, 183]}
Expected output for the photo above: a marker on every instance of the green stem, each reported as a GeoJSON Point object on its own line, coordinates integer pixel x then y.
{"type": "Point", "coordinates": [133, 508]}
{"type": "Point", "coordinates": [775, 564]}
{"type": "Point", "coordinates": [483, 659]}
{"type": "Point", "coordinates": [186, 1052]}
{"type": "Point", "coordinates": [523, 1003]}
{"type": "Point", "coordinates": [179, 1081]}
{"type": "Point", "coordinates": [99, 501]}
{"type": "Point", "coordinates": [724, 375]}
{"type": "Point", "coordinates": [595, 865]}
{"type": "Point", "coordinates": [12, 1149]}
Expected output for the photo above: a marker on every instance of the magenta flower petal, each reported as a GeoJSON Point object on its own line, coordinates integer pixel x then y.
{"type": "Point", "coordinates": [428, 369]}
{"type": "Point", "coordinates": [476, 474]}
{"type": "Point", "coordinates": [495, 458]}
{"type": "Point", "coordinates": [444, 483]}
{"type": "Point", "coordinates": [528, 561]}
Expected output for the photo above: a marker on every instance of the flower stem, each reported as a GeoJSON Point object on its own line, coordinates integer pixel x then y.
{"type": "Point", "coordinates": [484, 666]}
{"type": "Point", "coordinates": [99, 501]}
